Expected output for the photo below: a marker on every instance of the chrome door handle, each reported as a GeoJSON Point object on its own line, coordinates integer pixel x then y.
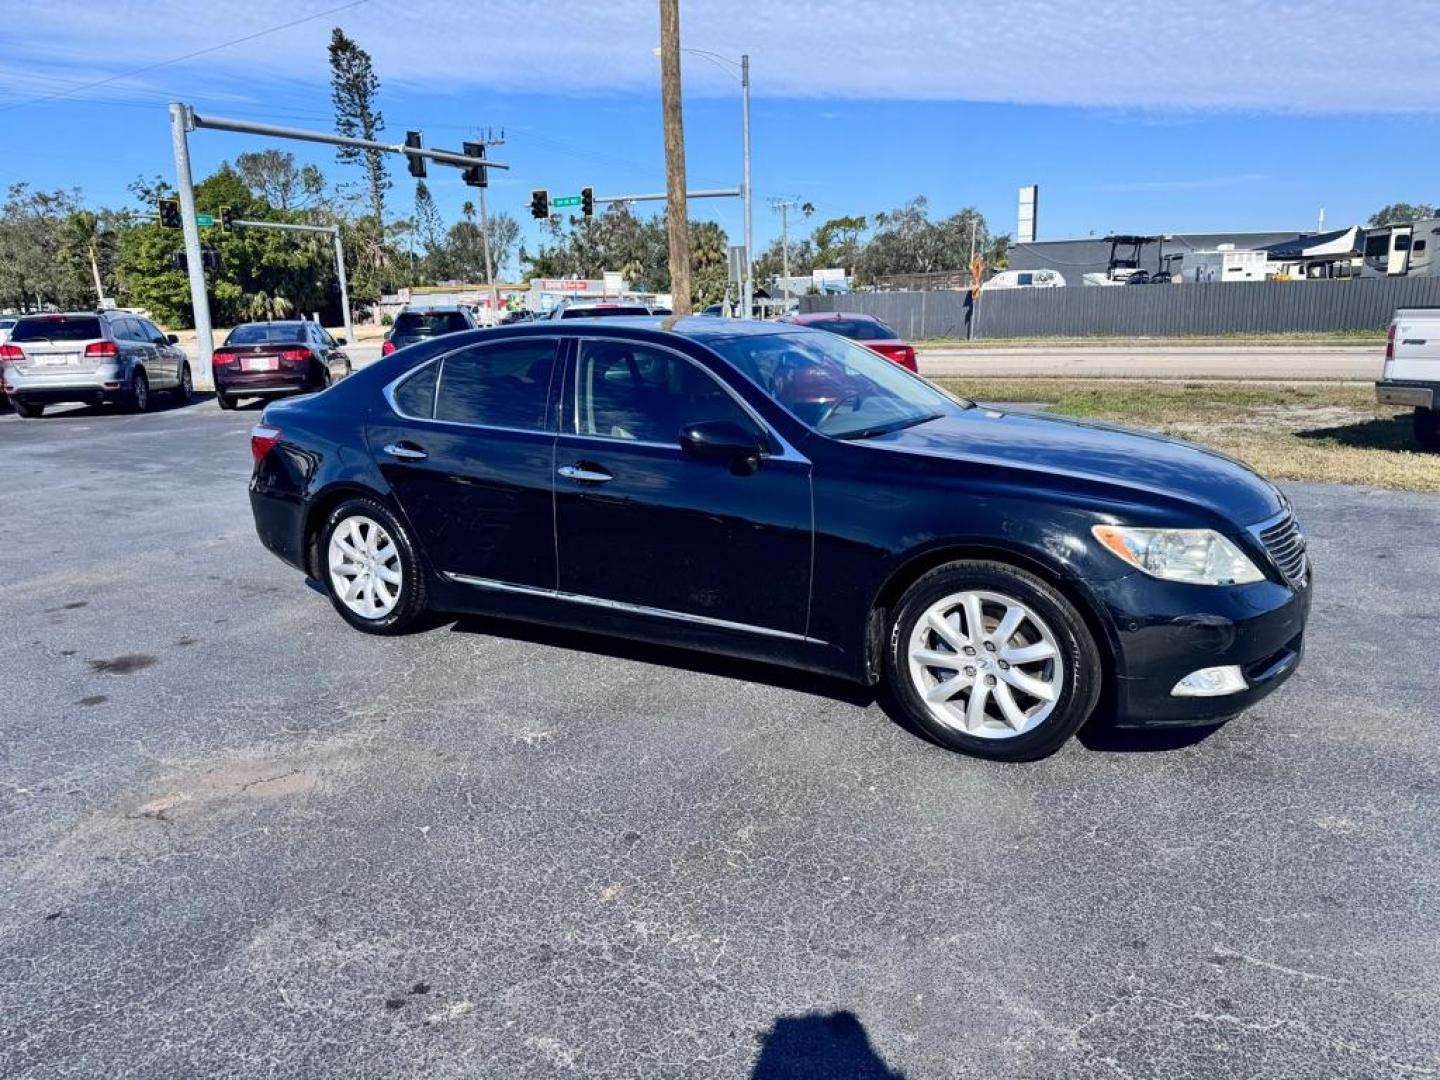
{"type": "Point", "coordinates": [405, 453]}
{"type": "Point", "coordinates": [579, 472]}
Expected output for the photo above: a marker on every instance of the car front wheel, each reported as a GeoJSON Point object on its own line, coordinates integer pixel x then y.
{"type": "Point", "coordinates": [370, 569]}
{"type": "Point", "coordinates": [990, 660]}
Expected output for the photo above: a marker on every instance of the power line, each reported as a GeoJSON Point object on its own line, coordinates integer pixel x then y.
{"type": "Point", "coordinates": [180, 59]}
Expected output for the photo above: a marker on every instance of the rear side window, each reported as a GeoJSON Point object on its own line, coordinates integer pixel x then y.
{"type": "Point", "coordinates": [857, 329]}
{"type": "Point", "coordinates": [83, 328]}
{"type": "Point", "coordinates": [429, 323]}
{"type": "Point", "coordinates": [503, 385]}
{"type": "Point", "coordinates": [416, 395]}
{"type": "Point", "coordinates": [266, 334]}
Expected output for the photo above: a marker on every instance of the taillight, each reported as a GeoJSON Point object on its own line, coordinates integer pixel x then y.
{"type": "Point", "coordinates": [295, 356]}
{"type": "Point", "coordinates": [102, 350]}
{"type": "Point", "coordinates": [387, 348]}
{"type": "Point", "coordinates": [11, 354]}
{"type": "Point", "coordinates": [222, 358]}
{"type": "Point", "coordinates": [903, 355]}
{"type": "Point", "coordinates": [1390, 343]}
{"type": "Point", "coordinates": [262, 440]}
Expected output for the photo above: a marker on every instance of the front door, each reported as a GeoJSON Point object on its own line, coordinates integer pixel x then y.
{"type": "Point", "coordinates": [641, 523]}
{"type": "Point", "coordinates": [467, 447]}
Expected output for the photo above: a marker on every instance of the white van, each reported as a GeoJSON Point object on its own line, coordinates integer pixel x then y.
{"type": "Point", "coordinates": [1026, 279]}
{"type": "Point", "coordinates": [1411, 375]}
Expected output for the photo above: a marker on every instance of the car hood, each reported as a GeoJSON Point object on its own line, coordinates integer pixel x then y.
{"type": "Point", "coordinates": [1086, 450]}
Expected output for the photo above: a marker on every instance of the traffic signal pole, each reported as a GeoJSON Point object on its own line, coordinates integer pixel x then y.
{"type": "Point", "coordinates": [181, 124]}
{"type": "Point", "coordinates": [183, 120]}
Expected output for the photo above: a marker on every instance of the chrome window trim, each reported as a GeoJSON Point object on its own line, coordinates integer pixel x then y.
{"type": "Point", "coordinates": [388, 391]}
{"type": "Point", "coordinates": [787, 451]}
{"type": "Point", "coordinates": [630, 609]}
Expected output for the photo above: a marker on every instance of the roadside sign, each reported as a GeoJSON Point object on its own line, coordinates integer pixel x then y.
{"type": "Point", "coordinates": [565, 200]}
{"type": "Point", "coordinates": [204, 219]}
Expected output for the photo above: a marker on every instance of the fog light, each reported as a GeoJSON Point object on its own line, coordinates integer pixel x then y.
{"type": "Point", "coordinates": [1210, 682]}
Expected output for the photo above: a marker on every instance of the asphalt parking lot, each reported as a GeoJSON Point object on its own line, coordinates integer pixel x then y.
{"type": "Point", "coordinates": [240, 839]}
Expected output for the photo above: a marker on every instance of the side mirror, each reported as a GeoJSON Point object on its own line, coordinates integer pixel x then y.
{"type": "Point", "coordinates": [341, 341]}
{"type": "Point", "coordinates": [173, 339]}
{"type": "Point", "coordinates": [723, 440]}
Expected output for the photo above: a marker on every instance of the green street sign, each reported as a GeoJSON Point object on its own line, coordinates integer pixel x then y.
{"type": "Point", "coordinates": [209, 219]}
{"type": "Point", "coordinates": [565, 200]}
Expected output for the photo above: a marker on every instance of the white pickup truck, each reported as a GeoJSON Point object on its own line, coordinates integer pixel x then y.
{"type": "Point", "coordinates": [1412, 370]}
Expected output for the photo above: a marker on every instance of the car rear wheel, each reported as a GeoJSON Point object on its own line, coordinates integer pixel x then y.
{"type": "Point", "coordinates": [27, 409]}
{"type": "Point", "coordinates": [137, 396]}
{"type": "Point", "coordinates": [186, 389]}
{"type": "Point", "coordinates": [370, 569]}
{"type": "Point", "coordinates": [993, 661]}
{"type": "Point", "coordinates": [1427, 428]}
{"type": "Point", "coordinates": [225, 401]}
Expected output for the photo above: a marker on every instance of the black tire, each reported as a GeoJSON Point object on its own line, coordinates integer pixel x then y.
{"type": "Point", "coordinates": [186, 390]}
{"type": "Point", "coordinates": [1427, 428]}
{"type": "Point", "coordinates": [410, 612]}
{"type": "Point", "coordinates": [1078, 661]}
{"type": "Point", "coordinates": [225, 401]}
{"type": "Point", "coordinates": [137, 394]}
{"type": "Point", "coordinates": [30, 410]}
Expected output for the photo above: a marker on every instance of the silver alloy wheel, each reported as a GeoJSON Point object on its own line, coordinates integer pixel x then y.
{"type": "Point", "coordinates": [986, 665]}
{"type": "Point", "coordinates": [142, 392]}
{"type": "Point", "coordinates": [365, 568]}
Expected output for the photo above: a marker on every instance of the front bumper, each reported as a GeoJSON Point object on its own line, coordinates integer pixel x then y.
{"type": "Point", "coordinates": [1424, 395]}
{"type": "Point", "coordinates": [1168, 630]}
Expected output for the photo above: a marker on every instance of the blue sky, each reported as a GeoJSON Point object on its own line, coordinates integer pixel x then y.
{"type": "Point", "coordinates": [1251, 114]}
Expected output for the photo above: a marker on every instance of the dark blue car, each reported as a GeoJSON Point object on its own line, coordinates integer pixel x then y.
{"type": "Point", "coordinates": [779, 493]}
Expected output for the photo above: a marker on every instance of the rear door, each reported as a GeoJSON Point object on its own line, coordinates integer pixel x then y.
{"type": "Point", "coordinates": [467, 445]}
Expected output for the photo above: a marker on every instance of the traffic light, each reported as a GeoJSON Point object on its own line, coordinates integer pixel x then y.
{"type": "Point", "coordinates": [540, 204]}
{"type": "Point", "coordinates": [475, 175]}
{"type": "Point", "coordinates": [416, 163]}
{"type": "Point", "coordinates": [169, 212]}
{"type": "Point", "coordinates": [227, 217]}
{"type": "Point", "coordinates": [587, 201]}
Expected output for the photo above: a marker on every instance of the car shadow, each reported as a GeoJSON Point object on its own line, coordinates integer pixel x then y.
{"type": "Point", "coordinates": [162, 401]}
{"type": "Point", "coordinates": [1098, 734]}
{"type": "Point", "coordinates": [700, 663]}
{"type": "Point", "coordinates": [1393, 433]}
{"type": "Point", "coordinates": [820, 1046]}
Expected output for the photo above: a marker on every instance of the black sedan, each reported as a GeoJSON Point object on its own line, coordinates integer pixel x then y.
{"type": "Point", "coordinates": [778, 493]}
{"type": "Point", "coordinates": [272, 359]}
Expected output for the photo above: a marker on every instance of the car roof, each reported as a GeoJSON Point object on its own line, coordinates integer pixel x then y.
{"type": "Point", "coordinates": [272, 322]}
{"type": "Point", "coordinates": [425, 309]}
{"type": "Point", "coordinates": [700, 328]}
{"type": "Point", "coordinates": [826, 316]}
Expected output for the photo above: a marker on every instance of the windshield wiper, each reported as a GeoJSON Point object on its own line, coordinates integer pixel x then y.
{"type": "Point", "coordinates": [886, 429]}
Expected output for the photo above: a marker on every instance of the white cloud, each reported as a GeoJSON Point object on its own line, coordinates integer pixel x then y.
{"type": "Point", "coordinates": [1272, 55]}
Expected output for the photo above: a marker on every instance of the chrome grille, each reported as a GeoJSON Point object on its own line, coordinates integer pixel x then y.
{"type": "Point", "coordinates": [1286, 545]}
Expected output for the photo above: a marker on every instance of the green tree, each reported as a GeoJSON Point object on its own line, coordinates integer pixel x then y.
{"type": "Point", "coordinates": [428, 226]}
{"type": "Point", "coordinates": [272, 175]}
{"type": "Point", "coordinates": [33, 268]}
{"type": "Point", "coordinates": [354, 89]}
{"type": "Point", "coordinates": [1400, 213]}
{"type": "Point", "coordinates": [837, 242]}
{"type": "Point", "coordinates": [708, 270]}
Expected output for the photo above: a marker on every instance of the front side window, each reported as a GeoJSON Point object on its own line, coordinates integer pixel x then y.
{"type": "Point", "coordinates": [627, 390]}
{"type": "Point", "coordinates": [834, 386]}
{"type": "Point", "coordinates": [503, 385]}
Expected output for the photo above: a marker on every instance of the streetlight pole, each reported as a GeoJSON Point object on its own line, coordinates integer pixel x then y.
{"type": "Point", "coordinates": [749, 289]}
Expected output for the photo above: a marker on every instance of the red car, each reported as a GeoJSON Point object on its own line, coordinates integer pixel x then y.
{"type": "Point", "coordinates": [866, 329]}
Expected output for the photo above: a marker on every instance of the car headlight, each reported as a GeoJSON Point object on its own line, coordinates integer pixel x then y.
{"type": "Point", "coordinates": [1196, 556]}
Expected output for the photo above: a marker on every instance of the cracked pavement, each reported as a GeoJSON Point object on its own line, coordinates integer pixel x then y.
{"type": "Point", "coordinates": [239, 839]}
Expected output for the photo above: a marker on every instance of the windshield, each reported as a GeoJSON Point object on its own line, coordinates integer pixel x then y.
{"type": "Point", "coordinates": [56, 328]}
{"type": "Point", "coordinates": [833, 386]}
{"type": "Point", "coordinates": [428, 323]}
{"type": "Point", "coordinates": [265, 334]}
{"type": "Point", "coordinates": [856, 329]}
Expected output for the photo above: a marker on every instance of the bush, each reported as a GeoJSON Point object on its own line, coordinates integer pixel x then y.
{"type": "Point", "coordinates": [387, 319]}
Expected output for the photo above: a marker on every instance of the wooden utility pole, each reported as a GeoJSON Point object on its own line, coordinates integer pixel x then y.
{"type": "Point", "coordinates": [678, 221]}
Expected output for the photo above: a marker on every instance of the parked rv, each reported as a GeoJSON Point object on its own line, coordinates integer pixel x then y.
{"type": "Point", "coordinates": [1026, 279]}
{"type": "Point", "coordinates": [1402, 249]}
